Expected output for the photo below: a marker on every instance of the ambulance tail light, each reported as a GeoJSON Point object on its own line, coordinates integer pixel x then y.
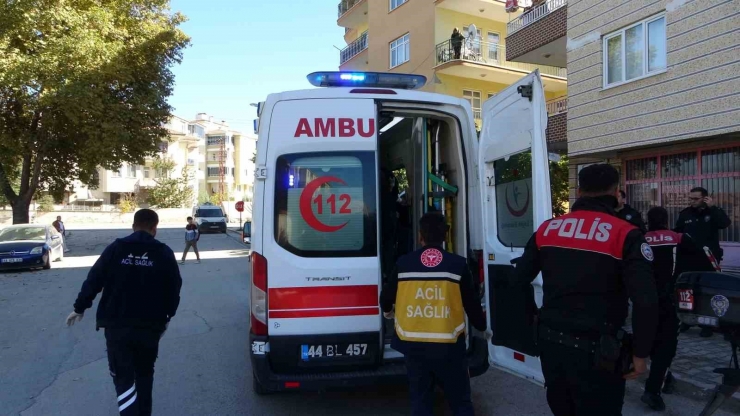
{"type": "Point", "coordinates": [259, 294]}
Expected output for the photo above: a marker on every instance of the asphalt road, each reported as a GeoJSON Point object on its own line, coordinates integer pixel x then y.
{"type": "Point", "coordinates": [203, 366]}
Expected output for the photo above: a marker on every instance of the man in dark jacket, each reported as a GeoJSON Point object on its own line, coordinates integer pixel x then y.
{"type": "Point", "coordinates": [432, 291]}
{"type": "Point", "coordinates": [674, 254]}
{"type": "Point", "coordinates": [629, 214]}
{"type": "Point", "coordinates": [457, 40]}
{"type": "Point", "coordinates": [703, 220]}
{"type": "Point", "coordinates": [591, 263]}
{"type": "Point", "coordinates": [141, 284]}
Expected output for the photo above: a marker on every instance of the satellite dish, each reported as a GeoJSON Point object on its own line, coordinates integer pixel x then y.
{"type": "Point", "coordinates": [472, 31]}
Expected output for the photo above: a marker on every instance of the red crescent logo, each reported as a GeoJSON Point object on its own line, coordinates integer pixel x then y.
{"type": "Point", "coordinates": [307, 209]}
{"type": "Point", "coordinates": [520, 212]}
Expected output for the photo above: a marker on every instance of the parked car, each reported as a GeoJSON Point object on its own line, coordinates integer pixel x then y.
{"type": "Point", "coordinates": [29, 246]}
{"type": "Point", "coordinates": [209, 217]}
{"type": "Point", "coordinates": [247, 232]}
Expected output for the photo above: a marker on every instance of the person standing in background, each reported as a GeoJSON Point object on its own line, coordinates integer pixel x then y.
{"type": "Point", "coordinates": [456, 40]}
{"type": "Point", "coordinates": [59, 226]}
{"type": "Point", "coordinates": [703, 220]}
{"type": "Point", "coordinates": [629, 214]}
{"type": "Point", "coordinates": [192, 235]}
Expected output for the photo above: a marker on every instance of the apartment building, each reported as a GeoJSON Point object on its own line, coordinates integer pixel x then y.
{"type": "Point", "coordinates": [653, 89]}
{"type": "Point", "coordinates": [231, 150]}
{"type": "Point", "coordinates": [413, 36]}
{"type": "Point", "coordinates": [192, 144]}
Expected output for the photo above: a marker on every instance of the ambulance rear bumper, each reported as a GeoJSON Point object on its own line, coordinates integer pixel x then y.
{"type": "Point", "coordinates": [392, 372]}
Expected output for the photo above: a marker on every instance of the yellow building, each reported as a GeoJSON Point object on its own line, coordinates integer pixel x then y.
{"type": "Point", "coordinates": [413, 36]}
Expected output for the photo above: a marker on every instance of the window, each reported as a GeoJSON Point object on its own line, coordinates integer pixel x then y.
{"type": "Point", "coordinates": [514, 213]}
{"type": "Point", "coordinates": [146, 172]}
{"type": "Point", "coordinates": [473, 98]}
{"type": "Point", "coordinates": [213, 171]}
{"type": "Point", "coordinates": [325, 204]}
{"type": "Point", "coordinates": [493, 47]}
{"type": "Point", "coordinates": [635, 52]}
{"type": "Point", "coordinates": [395, 3]}
{"type": "Point", "coordinates": [215, 140]}
{"type": "Point", "coordinates": [400, 52]}
{"type": "Point", "coordinates": [116, 173]}
{"type": "Point", "coordinates": [130, 171]}
{"type": "Point", "coordinates": [665, 180]}
{"type": "Point", "coordinates": [490, 95]}
{"type": "Point", "coordinates": [472, 42]}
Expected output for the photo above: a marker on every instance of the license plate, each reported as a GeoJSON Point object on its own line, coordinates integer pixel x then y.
{"type": "Point", "coordinates": [686, 299]}
{"type": "Point", "coordinates": [214, 226]}
{"type": "Point", "coordinates": [12, 260]}
{"type": "Point", "coordinates": [312, 352]}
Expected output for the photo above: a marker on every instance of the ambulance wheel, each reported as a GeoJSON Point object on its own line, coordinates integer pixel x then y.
{"type": "Point", "coordinates": [258, 388]}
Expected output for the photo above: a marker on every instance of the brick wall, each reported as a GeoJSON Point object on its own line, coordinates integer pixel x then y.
{"type": "Point", "coordinates": [557, 128]}
{"type": "Point", "coordinates": [538, 34]}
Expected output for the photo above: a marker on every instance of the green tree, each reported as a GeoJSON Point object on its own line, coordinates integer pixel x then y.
{"type": "Point", "coordinates": [170, 191]}
{"type": "Point", "coordinates": [83, 84]}
{"type": "Point", "coordinates": [203, 197]}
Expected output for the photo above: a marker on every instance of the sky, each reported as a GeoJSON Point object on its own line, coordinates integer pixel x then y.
{"type": "Point", "coordinates": [243, 50]}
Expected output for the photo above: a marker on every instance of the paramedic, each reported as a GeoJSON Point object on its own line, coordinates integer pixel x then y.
{"type": "Point", "coordinates": [674, 254]}
{"type": "Point", "coordinates": [140, 280]}
{"type": "Point", "coordinates": [629, 214]}
{"type": "Point", "coordinates": [432, 290]}
{"type": "Point", "coordinates": [591, 262]}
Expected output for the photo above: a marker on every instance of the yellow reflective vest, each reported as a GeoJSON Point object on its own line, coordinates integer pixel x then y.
{"type": "Point", "coordinates": [429, 305]}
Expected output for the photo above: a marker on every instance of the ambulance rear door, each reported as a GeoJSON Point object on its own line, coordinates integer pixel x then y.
{"type": "Point", "coordinates": [320, 235]}
{"type": "Point", "coordinates": [515, 189]}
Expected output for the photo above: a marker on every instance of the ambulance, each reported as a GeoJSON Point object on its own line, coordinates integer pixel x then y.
{"type": "Point", "coordinates": [329, 224]}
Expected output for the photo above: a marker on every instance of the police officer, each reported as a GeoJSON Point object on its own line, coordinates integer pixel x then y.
{"type": "Point", "coordinates": [674, 254]}
{"type": "Point", "coordinates": [627, 213]}
{"type": "Point", "coordinates": [432, 291]}
{"type": "Point", "coordinates": [703, 220]}
{"type": "Point", "coordinates": [591, 263]}
{"type": "Point", "coordinates": [141, 284]}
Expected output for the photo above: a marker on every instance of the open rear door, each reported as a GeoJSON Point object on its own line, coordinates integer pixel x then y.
{"type": "Point", "coordinates": [515, 186]}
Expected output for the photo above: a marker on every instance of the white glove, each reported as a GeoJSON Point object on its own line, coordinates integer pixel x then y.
{"type": "Point", "coordinates": [73, 317]}
{"type": "Point", "coordinates": [488, 334]}
{"type": "Point", "coordinates": [389, 315]}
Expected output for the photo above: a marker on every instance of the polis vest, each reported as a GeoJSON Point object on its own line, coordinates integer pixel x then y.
{"type": "Point", "coordinates": [429, 307]}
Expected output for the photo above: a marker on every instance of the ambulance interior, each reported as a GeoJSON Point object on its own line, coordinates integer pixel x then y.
{"type": "Point", "coordinates": [425, 150]}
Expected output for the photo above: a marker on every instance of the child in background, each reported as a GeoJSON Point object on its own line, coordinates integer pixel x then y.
{"type": "Point", "coordinates": [191, 240]}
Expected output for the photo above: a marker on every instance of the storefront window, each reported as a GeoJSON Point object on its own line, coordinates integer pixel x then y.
{"type": "Point", "coordinates": [666, 181]}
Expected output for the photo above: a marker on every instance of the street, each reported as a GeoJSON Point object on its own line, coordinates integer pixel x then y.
{"type": "Point", "coordinates": [203, 366]}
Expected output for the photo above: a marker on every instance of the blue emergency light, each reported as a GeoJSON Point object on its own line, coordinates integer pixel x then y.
{"type": "Point", "coordinates": [367, 79]}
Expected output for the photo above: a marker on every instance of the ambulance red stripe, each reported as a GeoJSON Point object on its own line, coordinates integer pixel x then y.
{"type": "Point", "coordinates": [323, 297]}
{"type": "Point", "coordinates": [322, 313]}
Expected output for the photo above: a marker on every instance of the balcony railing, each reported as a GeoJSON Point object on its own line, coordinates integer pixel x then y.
{"type": "Point", "coordinates": [534, 15]}
{"type": "Point", "coordinates": [353, 49]}
{"type": "Point", "coordinates": [345, 5]}
{"type": "Point", "coordinates": [489, 53]}
{"type": "Point", "coordinates": [557, 106]}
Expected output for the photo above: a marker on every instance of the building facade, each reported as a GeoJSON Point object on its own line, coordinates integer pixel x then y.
{"type": "Point", "coordinates": [653, 90]}
{"type": "Point", "coordinates": [414, 36]}
{"type": "Point", "coordinates": [195, 147]}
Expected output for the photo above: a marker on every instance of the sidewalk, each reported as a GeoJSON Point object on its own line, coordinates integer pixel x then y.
{"type": "Point", "coordinates": [697, 358]}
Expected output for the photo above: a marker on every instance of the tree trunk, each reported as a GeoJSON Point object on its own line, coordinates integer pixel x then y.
{"type": "Point", "coordinates": [20, 211]}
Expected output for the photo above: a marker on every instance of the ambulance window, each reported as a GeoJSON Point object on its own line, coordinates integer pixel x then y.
{"type": "Point", "coordinates": [325, 204]}
{"type": "Point", "coordinates": [514, 213]}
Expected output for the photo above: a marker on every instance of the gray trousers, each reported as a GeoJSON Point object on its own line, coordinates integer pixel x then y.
{"type": "Point", "coordinates": [194, 245]}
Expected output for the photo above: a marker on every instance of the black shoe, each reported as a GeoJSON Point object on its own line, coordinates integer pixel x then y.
{"type": "Point", "coordinates": [654, 401]}
{"type": "Point", "coordinates": [669, 387]}
{"type": "Point", "coordinates": [706, 333]}
{"type": "Point", "coordinates": [684, 328]}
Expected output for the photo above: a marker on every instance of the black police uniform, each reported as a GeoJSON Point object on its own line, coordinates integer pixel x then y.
{"type": "Point", "coordinates": [591, 262]}
{"type": "Point", "coordinates": [632, 216]}
{"type": "Point", "coordinates": [140, 280]}
{"type": "Point", "coordinates": [704, 224]}
{"type": "Point", "coordinates": [674, 254]}
{"type": "Point", "coordinates": [432, 291]}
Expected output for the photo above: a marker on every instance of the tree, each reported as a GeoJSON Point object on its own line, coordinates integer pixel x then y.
{"type": "Point", "coordinates": [83, 84]}
{"type": "Point", "coordinates": [170, 191]}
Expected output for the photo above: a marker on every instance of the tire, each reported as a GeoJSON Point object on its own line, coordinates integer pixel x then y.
{"type": "Point", "coordinates": [258, 388]}
{"type": "Point", "coordinates": [47, 262]}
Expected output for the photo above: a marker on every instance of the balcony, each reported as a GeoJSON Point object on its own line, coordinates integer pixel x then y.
{"type": "Point", "coordinates": [355, 48]}
{"type": "Point", "coordinates": [477, 59]}
{"type": "Point", "coordinates": [557, 125]}
{"type": "Point", "coordinates": [352, 13]}
{"type": "Point", "coordinates": [539, 36]}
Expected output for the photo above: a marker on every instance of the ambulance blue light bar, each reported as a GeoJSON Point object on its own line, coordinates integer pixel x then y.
{"type": "Point", "coordinates": [367, 79]}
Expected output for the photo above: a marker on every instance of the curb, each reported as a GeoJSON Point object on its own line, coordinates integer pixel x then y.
{"type": "Point", "coordinates": [702, 392]}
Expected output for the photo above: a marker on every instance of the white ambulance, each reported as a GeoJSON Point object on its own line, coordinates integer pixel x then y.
{"type": "Point", "coordinates": [328, 222]}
